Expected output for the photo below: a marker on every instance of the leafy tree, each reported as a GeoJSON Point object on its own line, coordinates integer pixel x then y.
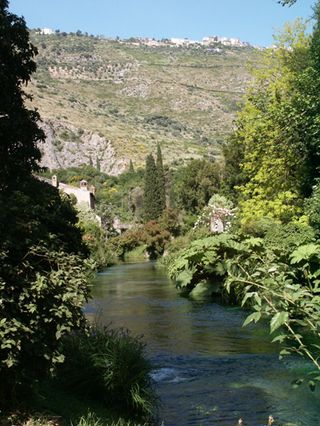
{"type": "Point", "coordinates": [43, 282]}
{"type": "Point", "coordinates": [95, 236]}
{"type": "Point", "coordinates": [277, 131]}
{"type": "Point", "coordinates": [233, 156]}
{"type": "Point", "coordinates": [315, 38]}
{"type": "Point", "coordinates": [43, 274]}
{"type": "Point", "coordinates": [155, 237]}
{"type": "Point", "coordinates": [194, 185]}
{"type": "Point", "coordinates": [19, 132]}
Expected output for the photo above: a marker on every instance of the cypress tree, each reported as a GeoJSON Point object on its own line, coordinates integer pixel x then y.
{"type": "Point", "coordinates": [151, 204]}
{"type": "Point", "coordinates": [160, 184]}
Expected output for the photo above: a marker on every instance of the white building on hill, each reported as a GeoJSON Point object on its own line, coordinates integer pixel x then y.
{"type": "Point", "coordinates": [46, 31]}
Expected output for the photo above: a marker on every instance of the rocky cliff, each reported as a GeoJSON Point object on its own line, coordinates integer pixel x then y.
{"type": "Point", "coordinates": [67, 146]}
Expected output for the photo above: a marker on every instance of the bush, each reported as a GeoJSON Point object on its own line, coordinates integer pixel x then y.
{"type": "Point", "coordinates": [312, 209]}
{"type": "Point", "coordinates": [43, 283]}
{"type": "Point", "coordinates": [95, 237]}
{"type": "Point", "coordinates": [283, 239]}
{"type": "Point", "coordinates": [109, 366]}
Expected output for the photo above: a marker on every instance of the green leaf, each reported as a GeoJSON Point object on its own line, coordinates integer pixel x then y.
{"type": "Point", "coordinates": [246, 297]}
{"type": "Point", "coordinates": [284, 352]}
{"type": "Point", "coordinates": [280, 338]}
{"type": "Point", "coordinates": [277, 320]}
{"type": "Point", "coordinates": [257, 299]}
{"type": "Point", "coordinates": [253, 317]}
{"type": "Point", "coordinates": [304, 252]}
{"type": "Point", "coordinates": [184, 278]}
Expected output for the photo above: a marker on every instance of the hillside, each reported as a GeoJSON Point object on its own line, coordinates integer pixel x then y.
{"type": "Point", "coordinates": [104, 102]}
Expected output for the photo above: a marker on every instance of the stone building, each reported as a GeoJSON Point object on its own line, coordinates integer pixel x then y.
{"type": "Point", "coordinates": [85, 194]}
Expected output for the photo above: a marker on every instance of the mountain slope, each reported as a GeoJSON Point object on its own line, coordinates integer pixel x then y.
{"type": "Point", "coordinates": [132, 96]}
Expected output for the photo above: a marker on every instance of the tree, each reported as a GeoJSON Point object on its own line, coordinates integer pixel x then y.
{"type": "Point", "coordinates": [194, 185]}
{"type": "Point", "coordinates": [43, 273]}
{"type": "Point", "coordinates": [160, 183]}
{"type": "Point", "coordinates": [19, 132]}
{"type": "Point", "coordinates": [154, 189]}
{"type": "Point", "coordinates": [151, 202]}
{"type": "Point", "coordinates": [277, 132]}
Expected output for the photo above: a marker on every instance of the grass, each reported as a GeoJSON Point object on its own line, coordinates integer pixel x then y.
{"type": "Point", "coordinates": [104, 380]}
{"type": "Point", "coordinates": [54, 406]}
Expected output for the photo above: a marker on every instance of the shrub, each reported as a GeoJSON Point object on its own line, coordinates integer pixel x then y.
{"type": "Point", "coordinates": [108, 366]}
{"type": "Point", "coordinates": [283, 239]}
{"type": "Point", "coordinates": [43, 283]}
{"type": "Point", "coordinates": [312, 209]}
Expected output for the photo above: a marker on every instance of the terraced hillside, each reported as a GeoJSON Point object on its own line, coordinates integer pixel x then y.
{"type": "Point", "coordinates": [105, 102]}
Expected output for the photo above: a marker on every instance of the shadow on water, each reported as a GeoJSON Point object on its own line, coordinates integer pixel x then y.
{"type": "Point", "coordinates": [209, 370]}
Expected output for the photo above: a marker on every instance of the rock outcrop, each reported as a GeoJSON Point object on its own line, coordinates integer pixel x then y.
{"type": "Point", "coordinates": [67, 146]}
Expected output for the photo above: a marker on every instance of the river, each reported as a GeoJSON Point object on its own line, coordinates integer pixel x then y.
{"type": "Point", "coordinates": [209, 370]}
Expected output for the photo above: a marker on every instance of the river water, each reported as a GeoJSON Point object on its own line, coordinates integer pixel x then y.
{"type": "Point", "coordinates": [209, 370]}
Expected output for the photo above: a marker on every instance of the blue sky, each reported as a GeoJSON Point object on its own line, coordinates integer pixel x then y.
{"type": "Point", "coordinates": [250, 20]}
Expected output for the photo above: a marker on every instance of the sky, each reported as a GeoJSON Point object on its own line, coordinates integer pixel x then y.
{"type": "Point", "coordinates": [254, 21]}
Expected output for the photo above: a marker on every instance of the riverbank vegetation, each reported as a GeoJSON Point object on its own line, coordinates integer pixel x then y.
{"type": "Point", "coordinates": [268, 260]}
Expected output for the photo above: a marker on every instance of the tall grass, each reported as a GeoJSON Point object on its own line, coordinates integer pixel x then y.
{"type": "Point", "coordinates": [109, 366]}
{"type": "Point", "coordinates": [92, 420]}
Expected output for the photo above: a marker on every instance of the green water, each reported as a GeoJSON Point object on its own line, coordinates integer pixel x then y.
{"type": "Point", "coordinates": [208, 369]}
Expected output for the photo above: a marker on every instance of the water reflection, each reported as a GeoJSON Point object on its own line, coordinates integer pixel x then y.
{"type": "Point", "coordinates": [209, 370]}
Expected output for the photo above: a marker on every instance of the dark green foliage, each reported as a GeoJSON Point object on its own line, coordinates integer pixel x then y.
{"type": "Point", "coordinates": [127, 241]}
{"type": "Point", "coordinates": [160, 182]}
{"type": "Point", "coordinates": [43, 274]}
{"type": "Point", "coordinates": [204, 259]}
{"type": "Point", "coordinates": [171, 221]}
{"type": "Point", "coordinates": [312, 209]}
{"type": "Point", "coordinates": [95, 237]}
{"type": "Point", "coordinates": [19, 132]}
{"type": "Point", "coordinates": [153, 235]}
{"type": "Point", "coordinates": [194, 185]}
{"type": "Point", "coordinates": [283, 239]}
{"type": "Point", "coordinates": [151, 195]}
{"type": "Point", "coordinates": [232, 177]}
{"type": "Point", "coordinates": [154, 189]}
{"type": "Point", "coordinates": [43, 282]}
{"type": "Point", "coordinates": [109, 366]}
{"type": "Point", "coordinates": [166, 122]}
{"type": "Point", "coordinates": [315, 42]}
